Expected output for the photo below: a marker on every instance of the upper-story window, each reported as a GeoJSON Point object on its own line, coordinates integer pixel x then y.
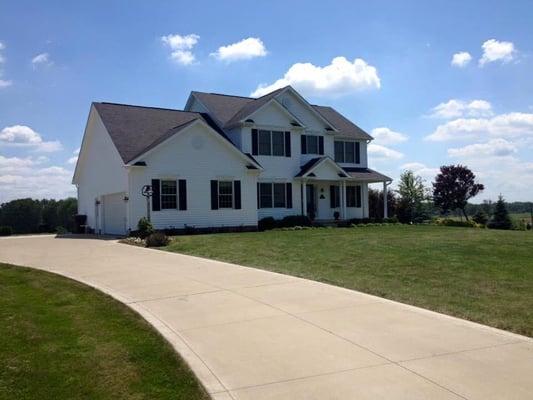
{"type": "Point", "coordinates": [312, 144]}
{"type": "Point", "coordinates": [271, 143]}
{"type": "Point", "coordinates": [347, 152]}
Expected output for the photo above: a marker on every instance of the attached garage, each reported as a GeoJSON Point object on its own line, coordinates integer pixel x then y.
{"type": "Point", "coordinates": [114, 213]}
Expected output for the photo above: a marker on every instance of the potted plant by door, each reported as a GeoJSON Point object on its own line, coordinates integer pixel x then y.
{"type": "Point", "coordinates": [336, 215]}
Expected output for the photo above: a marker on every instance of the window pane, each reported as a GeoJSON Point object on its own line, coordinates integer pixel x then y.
{"type": "Point", "coordinates": [278, 143]}
{"type": "Point", "coordinates": [350, 196]}
{"type": "Point", "coordinates": [339, 151]}
{"type": "Point", "coordinates": [337, 197]}
{"type": "Point", "coordinates": [225, 194]}
{"type": "Point", "coordinates": [168, 195]}
{"type": "Point", "coordinates": [265, 195]}
{"type": "Point", "coordinates": [264, 143]}
{"type": "Point", "coordinates": [279, 195]}
{"type": "Point", "coordinates": [312, 144]}
{"type": "Point", "coordinates": [349, 147]}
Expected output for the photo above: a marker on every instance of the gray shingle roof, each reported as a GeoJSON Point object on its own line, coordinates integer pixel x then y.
{"type": "Point", "coordinates": [222, 106]}
{"type": "Point", "coordinates": [366, 174]}
{"type": "Point", "coordinates": [135, 129]}
{"type": "Point", "coordinates": [341, 123]}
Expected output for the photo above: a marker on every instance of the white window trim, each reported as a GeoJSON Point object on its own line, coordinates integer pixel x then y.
{"type": "Point", "coordinates": [273, 202]}
{"type": "Point", "coordinates": [317, 144]}
{"type": "Point", "coordinates": [232, 194]}
{"type": "Point", "coordinates": [271, 131]}
{"type": "Point", "coordinates": [161, 194]}
{"type": "Point", "coordinates": [343, 141]}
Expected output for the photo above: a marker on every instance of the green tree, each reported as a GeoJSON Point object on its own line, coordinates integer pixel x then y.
{"type": "Point", "coordinates": [500, 218]}
{"type": "Point", "coordinates": [22, 215]}
{"type": "Point", "coordinates": [413, 195]}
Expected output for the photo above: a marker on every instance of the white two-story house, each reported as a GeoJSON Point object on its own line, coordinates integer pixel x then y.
{"type": "Point", "coordinates": [225, 161]}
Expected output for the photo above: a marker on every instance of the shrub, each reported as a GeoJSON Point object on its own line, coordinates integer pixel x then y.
{"type": "Point", "coordinates": [294, 220]}
{"type": "Point", "coordinates": [6, 231]}
{"type": "Point", "coordinates": [157, 239]}
{"type": "Point", "coordinates": [60, 230]}
{"type": "Point", "coordinates": [144, 228]}
{"type": "Point", "coordinates": [454, 222]}
{"type": "Point", "coordinates": [481, 217]}
{"type": "Point", "coordinates": [267, 223]}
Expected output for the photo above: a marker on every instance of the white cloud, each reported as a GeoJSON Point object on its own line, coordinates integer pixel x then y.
{"type": "Point", "coordinates": [2, 46]}
{"type": "Point", "coordinates": [492, 148]}
{"type": "Point", "coordinates": [243, 50]}
{"type": "Point", "coordinates": [461, 59]}
{"type": "Point", "coordinates": [74, 158]}
{"type": "Point", "coordinates": [385, 135]}
{"type": "Point", "coordinates": [510, 126]}
{"type": "Point", "coordinates": [458, 108]}
{"type": "Point", "coordinates": [338, 78]}
{"type": "Point", "coordinates": [493, 50]}
{"type": "Point", "coordinates": [3, 82]}
{"type": "Point", "coordinates": [41, 59]}
{"type": "Point", "coordinates": [181, 47]}
{"type": "Point", "coordinates": [27, 177]}
{"type": "Point", "coordinates": [427, 173]}
{"type": "Point", "coordinates": [24, 136]}
{"type": "Point", "coordinates": [382, 153]}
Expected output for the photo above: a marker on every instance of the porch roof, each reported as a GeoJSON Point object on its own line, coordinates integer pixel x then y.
{"type": "Point", "coordinates": [366, 174]}
{"type": "Point", "coordinates": [356, 173]}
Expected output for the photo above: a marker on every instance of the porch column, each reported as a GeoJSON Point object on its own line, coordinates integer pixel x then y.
{"type": "Point", "coordinates": [385, 207]}
{"type": "Point", "coordinates": [343, 200]}
{"type": "Point", "coordinates": [304, 198]}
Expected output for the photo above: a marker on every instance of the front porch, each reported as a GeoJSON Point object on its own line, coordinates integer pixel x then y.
{"type": "Point", "coordinates": [329, 192]}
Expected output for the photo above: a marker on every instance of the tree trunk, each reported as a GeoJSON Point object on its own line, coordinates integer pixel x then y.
{"type": "Point", "coordinates": [464, 213]}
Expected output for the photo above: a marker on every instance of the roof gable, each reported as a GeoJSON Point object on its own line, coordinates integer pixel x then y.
{"type": "Point", "coordinates": [324, 164]}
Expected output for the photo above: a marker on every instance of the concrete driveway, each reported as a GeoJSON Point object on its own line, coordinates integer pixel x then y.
{"type": "Point", "coordinates": [251, 334]}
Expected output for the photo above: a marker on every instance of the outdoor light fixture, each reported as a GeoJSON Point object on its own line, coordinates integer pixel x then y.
{"type": "Point", "coordinates": [126, 198]}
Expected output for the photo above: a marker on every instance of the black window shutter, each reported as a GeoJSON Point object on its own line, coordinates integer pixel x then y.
{"type": "Point", "coordinates": [287, 144]}
{"type": "Point", "coordinates": [182, 190]}
{"type": "Point", "coordinates": [332, 196]}
{"type": "Point", "coordinates": [358, 198]}
{"type": "Point", "coordinates": [255, 142]}
{"type": "Point", "coordinates": [321, 145]}
{"type": "Point", "coordinates": [357, 152]}
{"type": "Point", "coordinates": [156, 197]}
{"type": "Point", "coordinates": [289, 195]}
{"type": "Point", "coordinates": [304, 144]}
{"type": "Point", "coordinates": [237, 194]}
{"type": "Point", "coordinates": [258, 196]}
{"type": "Point", "coordinates": [214, 195]}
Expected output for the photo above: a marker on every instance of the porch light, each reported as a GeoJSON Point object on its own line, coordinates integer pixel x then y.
{"type": "Point", "coordinates": [126, 198]}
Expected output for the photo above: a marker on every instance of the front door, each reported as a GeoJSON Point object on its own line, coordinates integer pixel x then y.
{"type": "Point", "coordinates": [311, 201]}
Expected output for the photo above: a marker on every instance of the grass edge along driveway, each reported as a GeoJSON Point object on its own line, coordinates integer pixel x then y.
{"type": "Point", "coordinates": [481, 275]}
{"type": "Point", "coordinates": [60, 339]}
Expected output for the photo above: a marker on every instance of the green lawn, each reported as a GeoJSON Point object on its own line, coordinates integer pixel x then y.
{"type": "Point", "coordinates": [478, 274]}
{"type": "Point", "coordinates": [63, 340]}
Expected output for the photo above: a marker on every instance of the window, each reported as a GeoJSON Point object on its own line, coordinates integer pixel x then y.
{"type": "Point", "coordinates": [274, 195]}
{"type": "Point", "coordinates": [279, 195]}
{"type": "Point", "coordinates": [278, 143]}
{"type": "Point", "coordinates": [169, 198]}
{"type": "Point", "coordinates": [312, 144]}
{"type": "Point", "coordinates": [225, 194]}
{"type": "Point", "coordinates": [265, 143]}
{"type": "Point", "coordinates": [353, 196]}
{"type": "Point", "coordinates": [347, 152]}
{"type": "Point", "coordinates": [265, 196]}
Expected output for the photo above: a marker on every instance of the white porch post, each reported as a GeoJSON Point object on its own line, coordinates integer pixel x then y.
{"type": "Point", "coordinates": [343, 200]}
{"type": "Point", "coordinates": [385, 208]}
{"type": "Point", "coordinates": [304, 198]}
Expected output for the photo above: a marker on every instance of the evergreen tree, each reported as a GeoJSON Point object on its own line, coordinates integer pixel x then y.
{"type": "Point", "coordinates": [500, 218]}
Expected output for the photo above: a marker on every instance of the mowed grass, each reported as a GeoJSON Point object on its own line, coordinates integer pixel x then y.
{"type": "Point", "coordinates": [62, 340]}
{"type": "Point", "coordinates": [478, 274]}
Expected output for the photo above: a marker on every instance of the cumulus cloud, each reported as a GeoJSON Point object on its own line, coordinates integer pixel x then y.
{"type": "Point", "coordinates": [340, 77]}
{"type": "Point", "coordinates": [514, 125]}
{"type": "Point", "coordinates": [242, 50]}
{"type": "Point", "coordinates": [492, 148]}
{"type": "Point", "coordinates": [74, 158]}
{"type": "Point", "coordinates": [24, 136]}
{"type": "Point", "coordinates": [181, 47]}
{"type": "Point", "coordinates": [386, 136]}
{"type": "Point", "coordinates": [458, 108]}
{"type": "Point", "coordinates": [42, 59]}
{"type": "Point", "coordinates": [427, 173]}
{"type": "Point", "coordinates": [3, 82]}
{"type": "Point", "coordinates": [381, 153]}
{"type": "Point", "coordinates": [461, 59]}
{"type": "Point", "coordinates": [494, 50]}
{"type": "Point", "coordinates": [28, 177]}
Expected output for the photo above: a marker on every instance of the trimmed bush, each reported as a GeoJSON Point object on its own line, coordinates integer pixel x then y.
{"type": "Point", "coordinates": [294, 220]}
{"type": "Point", "coordinates": [157, 239]}
{"type": "Point", "coordinates": [266, 224]}
{"type": "Point", "coordinates": [481, 217]}
{"type": "Point", "coordinates": [6, 231]}
{"type": "Point", "coordinates": [144, 228]}
{"type": "Point", "coordinates": [453, 222]}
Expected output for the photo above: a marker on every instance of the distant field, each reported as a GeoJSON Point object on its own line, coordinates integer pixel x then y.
{"type": "Point", "coordinates": [479, 274]}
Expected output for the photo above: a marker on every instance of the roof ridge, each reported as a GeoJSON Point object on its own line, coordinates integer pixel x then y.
{"type": "Point", "coordinates": [151, 107]}
{"type": "Point", "coordinates": [226, 95]}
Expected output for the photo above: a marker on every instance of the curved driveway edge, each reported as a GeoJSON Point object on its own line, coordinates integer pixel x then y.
{"type": "Point", "coordinates": [253, 334]}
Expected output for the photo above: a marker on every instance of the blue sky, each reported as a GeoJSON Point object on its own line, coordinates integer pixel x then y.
{"type": "Point", "coordinates": [58, 57]}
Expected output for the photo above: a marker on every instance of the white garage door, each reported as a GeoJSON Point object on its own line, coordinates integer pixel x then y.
{"type": "Point", "coordinates": [114, 214]}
